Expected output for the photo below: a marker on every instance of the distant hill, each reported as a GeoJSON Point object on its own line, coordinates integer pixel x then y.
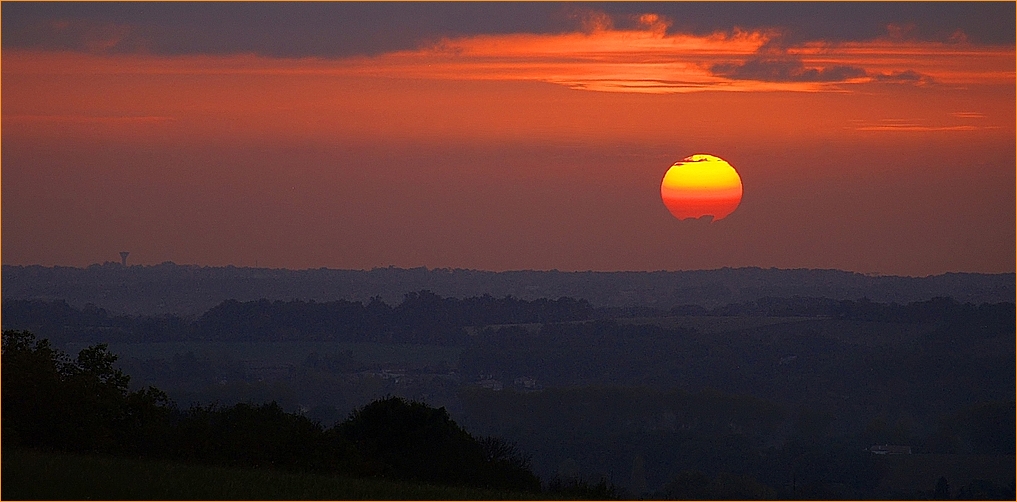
{"type": "Point", "coordinates": [190, 290]}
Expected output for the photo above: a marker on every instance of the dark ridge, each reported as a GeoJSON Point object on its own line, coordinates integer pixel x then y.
{"type": "Point", "coordinates": [189, 290]}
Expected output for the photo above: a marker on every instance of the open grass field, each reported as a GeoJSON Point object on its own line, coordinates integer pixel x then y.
{"type": "Point", "coordinates": [843, 330]}
{"type": "Point", "coordinates": [855, 332]}
{"type": "Point", "coordinates": [418, 356]}
{"type": "Point", "coordinates": [712, 324]}
{"type": "Point", "coordinates": [34, 475]}
{"type": "Point", "coordinates": [703, 324]}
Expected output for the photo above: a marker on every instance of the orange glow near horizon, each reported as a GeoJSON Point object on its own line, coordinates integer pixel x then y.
{"type": "Point", "coordinates": [701, 185]}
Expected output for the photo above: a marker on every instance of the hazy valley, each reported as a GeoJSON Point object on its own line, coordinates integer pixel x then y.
{"type": "Point", "coordinates": [786, 393]}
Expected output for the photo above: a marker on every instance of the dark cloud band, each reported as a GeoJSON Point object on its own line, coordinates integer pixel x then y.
{"type": "Point", "coordinates": [350, 28]}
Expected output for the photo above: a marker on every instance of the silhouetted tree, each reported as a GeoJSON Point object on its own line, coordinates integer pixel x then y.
{"type": "Point", "coordinates": [82, 405]}
{"type": "Point", "coordinates": [410, 440]}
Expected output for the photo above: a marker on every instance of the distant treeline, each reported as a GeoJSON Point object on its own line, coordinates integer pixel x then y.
{"type": "Point", "coordinates": [423, 318]}
{"type": "Point", "coordinates": [52, 402]}
{"type": "Point", "coordinates": [992, 316]}
{"type": "Point", "coordinates": [191, 290]}
{"type": "Point", "coordinates": [426, 318]}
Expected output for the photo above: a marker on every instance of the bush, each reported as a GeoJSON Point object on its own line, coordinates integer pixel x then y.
{"type": "Point", "coordinates": [410, 440]}
{"type": "Point", "coordinates": [82, 405]}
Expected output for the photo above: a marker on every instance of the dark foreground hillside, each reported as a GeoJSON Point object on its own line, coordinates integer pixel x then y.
{"type": "Point", "coordinates": [54, 403]}
{"type": "Point", "coordinates": [38, 475]}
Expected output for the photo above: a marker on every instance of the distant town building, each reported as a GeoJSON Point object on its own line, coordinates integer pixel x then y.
{"type": "Point", "coordinates": [490, 384]}
{"type": "Point", "coordinates": [890, 449]}
{"type": "Point", "coordinates": [526, 382]}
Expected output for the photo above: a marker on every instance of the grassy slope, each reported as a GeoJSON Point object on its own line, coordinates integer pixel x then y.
{"type": "Point", "coordinates": [29, 474]}
{"type": "Point", "coordinates": [408, 355]}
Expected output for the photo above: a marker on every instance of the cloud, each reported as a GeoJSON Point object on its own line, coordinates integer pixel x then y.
{"type": "Point", "coordinates": [903, 31]}
{"type": "Point", "coordinates": [640, 54]}
{"type": "Point", "coordinates": [785, 70]}
{"type": "Point", "coordinates": [591, 21]}
{"type": "Point", "coordinates": [959, 37]}
{"type": "Point", "coordinates": [627, 53]}
{"type": "Point", "coordinates": [643, 58]}
{"type": "Point", "coordinates": [97, 37]}
{"type": "Point", "coordinates": [915, 125]}
{"type": "Point", "coordinates": [914, 62]}
{"type": "Point", "coordinates": [916, 128]}
{"type": "Point", "coordinates": [903, 77]}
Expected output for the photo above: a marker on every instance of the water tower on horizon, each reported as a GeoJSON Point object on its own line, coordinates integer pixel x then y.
{"type": "Point", "coordinates": [123, 257]}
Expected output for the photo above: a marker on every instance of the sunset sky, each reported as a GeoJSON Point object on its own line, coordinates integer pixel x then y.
{"type": "Point", "coordinates": [869, 137]}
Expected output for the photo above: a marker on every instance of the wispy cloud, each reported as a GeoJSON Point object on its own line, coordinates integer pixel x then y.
{"type": "Point", "coordinates": [914, 125]}
{"type": "Point", "coordinates": [902, 77]}
{"type": "Point", "coordinates": [968, 115]}
{"type": "Point", "coordinates": [889, 60]}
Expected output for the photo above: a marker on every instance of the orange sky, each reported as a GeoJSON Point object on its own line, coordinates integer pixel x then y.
{"type": "Point", "coordinates": [313, 98]}
{"type": "Point", "coordinates": [856, 119]}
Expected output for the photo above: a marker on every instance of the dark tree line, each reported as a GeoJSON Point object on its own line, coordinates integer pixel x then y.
{"type": "Point", "coordinates": [426, 318]}
{"type": "Point", "coordinates": [52, 402]}
{"type": "Point", "coordinates": [192, 289]}
{"type": "Point", "coordinates": [422, 317]}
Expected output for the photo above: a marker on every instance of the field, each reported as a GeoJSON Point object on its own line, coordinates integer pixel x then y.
{"type": "Point", "coordinates": [283, 353]}
{"type": "Point", "coordinates": [385, 355]}
{"type": "Point", "coordinates": [847, 331]}
{"type": "Point", "coordinates": [713, 324]}
{"type": "Point", "coordinates": [703, 324]}
{"type": "Point", "coordinates": [34, 475]}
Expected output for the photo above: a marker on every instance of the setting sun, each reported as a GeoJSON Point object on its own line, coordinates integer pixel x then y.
{"type": "Point", "coordinates": [701, 185]}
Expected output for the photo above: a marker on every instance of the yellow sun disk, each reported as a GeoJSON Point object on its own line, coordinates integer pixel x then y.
{"type": "Point", "coordinates": [702, 175]}
{"type": "Point", "coordinates": [701, 185]}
